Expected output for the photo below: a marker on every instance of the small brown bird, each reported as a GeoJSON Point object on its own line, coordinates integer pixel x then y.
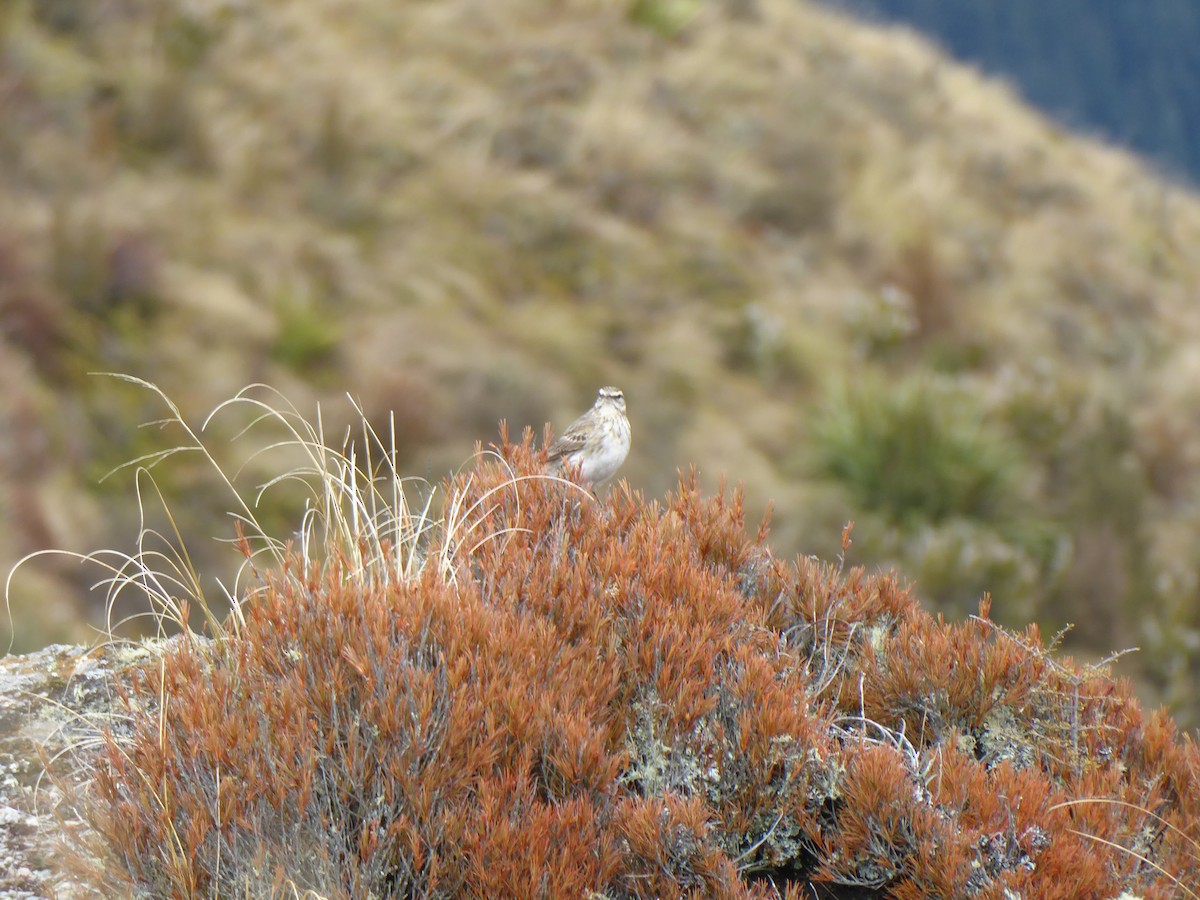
{"type": "Point", "coordinates": [597, 442]}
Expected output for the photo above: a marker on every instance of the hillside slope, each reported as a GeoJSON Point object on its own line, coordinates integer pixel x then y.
{"type": "Point", "coordinates": [816, 256]}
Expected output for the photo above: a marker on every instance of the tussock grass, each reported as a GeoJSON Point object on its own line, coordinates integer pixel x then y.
{"type": "Point", "coordinates": [357, 509]}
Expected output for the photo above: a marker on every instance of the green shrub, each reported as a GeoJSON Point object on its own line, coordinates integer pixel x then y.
{"type": "Point", "coordinates": [919, 452]}
{"type": "Point", "coordinates": [666, 18]}
{"type": "Point", "coordinates": [307, 338]}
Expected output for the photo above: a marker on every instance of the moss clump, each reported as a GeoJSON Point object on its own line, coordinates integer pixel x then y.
{"type": "Point", "coordinates": [626, 698]}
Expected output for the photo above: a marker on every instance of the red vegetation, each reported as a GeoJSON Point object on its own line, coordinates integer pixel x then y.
{"type": "Point", "coordinates": [627, 699]}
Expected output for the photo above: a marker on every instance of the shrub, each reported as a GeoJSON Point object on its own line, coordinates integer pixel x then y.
{"type": "Point", "coordinates": [622, 698]}
{"type": "Point", "coordinates": [308, 335]}
{"type": "Point", "coordinates": [916, 452]}
{"type": "Point", "coordinates": [31, 315]}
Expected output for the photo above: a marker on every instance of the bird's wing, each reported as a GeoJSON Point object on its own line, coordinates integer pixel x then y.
{"type": "Point", "coordinates": [571, 440]}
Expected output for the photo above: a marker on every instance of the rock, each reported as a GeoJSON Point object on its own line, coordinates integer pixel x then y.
{"type": "Point", "coordinates": [52, 704]}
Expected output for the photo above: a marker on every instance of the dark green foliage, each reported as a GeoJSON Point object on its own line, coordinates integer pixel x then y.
{"type": "Point", "coordinates": [916, 452]}
{"type": "Point", "coordinates": [308, 337]}
{"type": "Point", "coordinates": [1127, 69]}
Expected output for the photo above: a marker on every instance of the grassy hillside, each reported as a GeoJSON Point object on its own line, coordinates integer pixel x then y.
{"type": "Point", "coordinates": [816, 256]}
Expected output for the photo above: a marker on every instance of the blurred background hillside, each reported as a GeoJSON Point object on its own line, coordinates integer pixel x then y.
{"type": "Point", "coordinates": [816, 255]}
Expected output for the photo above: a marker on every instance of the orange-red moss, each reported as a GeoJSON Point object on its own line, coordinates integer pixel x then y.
{"type": "Point", "coordinates": [634, 699]}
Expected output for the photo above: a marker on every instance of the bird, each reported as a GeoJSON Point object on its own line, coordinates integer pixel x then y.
{"type": "Point", "coordinates": [597, 442]}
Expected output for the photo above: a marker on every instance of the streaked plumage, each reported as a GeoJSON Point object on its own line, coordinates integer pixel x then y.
{"type": "Point", "coordinates": [597, 442]}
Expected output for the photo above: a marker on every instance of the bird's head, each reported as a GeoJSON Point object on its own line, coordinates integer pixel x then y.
{"type": "Point", "coordinates": [611, 396]}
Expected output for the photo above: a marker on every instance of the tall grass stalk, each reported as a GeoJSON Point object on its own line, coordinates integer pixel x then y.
{"type": "Point", "coordinates": [358, 509]}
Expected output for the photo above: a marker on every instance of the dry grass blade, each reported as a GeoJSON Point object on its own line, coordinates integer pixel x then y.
{"type": "Point", "coordinates": [357, 509]}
